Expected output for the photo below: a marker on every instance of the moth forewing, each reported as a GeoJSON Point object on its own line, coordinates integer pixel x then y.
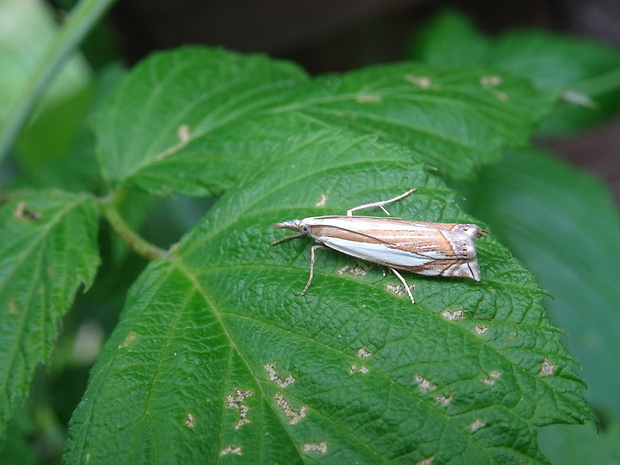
{"type": "Point", "coordinates": [425, 248]}
{"type": "Point", "coordinates": [435, 249]}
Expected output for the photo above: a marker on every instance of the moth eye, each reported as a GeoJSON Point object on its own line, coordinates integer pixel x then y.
{"type": "Point", "coordinates": [304, 229]}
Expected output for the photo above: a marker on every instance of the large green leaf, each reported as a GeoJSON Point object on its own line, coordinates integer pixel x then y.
{"type": "Point", "coordinates": [565, 226]}
{"type": "Point", "coordinates": [218, 356]}
{"type": "Point", "coordinates": [191, 121]}
{"type": "Point", "coordinates": [47, 251]}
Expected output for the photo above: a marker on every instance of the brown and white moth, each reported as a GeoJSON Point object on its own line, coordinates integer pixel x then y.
{"type": "Point", "coordinates": [435, 249]}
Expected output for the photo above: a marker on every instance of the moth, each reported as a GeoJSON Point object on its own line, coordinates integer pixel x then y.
{"type": "Point", "coordinates": [434, 249]}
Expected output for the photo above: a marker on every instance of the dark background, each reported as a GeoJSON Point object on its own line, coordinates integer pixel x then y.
{"type": "Point", "coordinates": [338, 35]}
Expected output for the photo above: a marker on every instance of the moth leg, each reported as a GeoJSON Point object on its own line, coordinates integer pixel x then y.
{"type": "Point", "coordinates": [402, 280]}
{"type": "Point", "coordinates": [381, 203]}
{"type": "Point", "coordinates": [314, 247]}
{"type": "Point", "coordinates": [286, 238]}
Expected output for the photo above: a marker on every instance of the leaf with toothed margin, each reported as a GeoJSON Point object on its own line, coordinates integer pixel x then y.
{"type": "Point", "coordinates": [47, 251]}
{"type": "Point", "coordinates": [218, 356]}
{"type": "Point", "coordinates": [192, 121]}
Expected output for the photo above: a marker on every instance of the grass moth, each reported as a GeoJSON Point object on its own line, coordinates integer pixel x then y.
{"type": "Point", "coordinates": [434, 249]}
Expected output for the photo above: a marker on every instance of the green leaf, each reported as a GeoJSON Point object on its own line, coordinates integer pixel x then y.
{"type": "Point", "coordinates": [192, 121]}
{"type": "Point", "coordinates": [47, 251]}
{"type": "Point", "coordinates": [565, 226]}
{"type": "Point", "coordinates": [584, 73]}
{"type": "Point", "coordinates": [217, 353]}
{"type": "Point", "coordinates": [450, 39]}
{"type": "Point", "coordinates": [148, 128]}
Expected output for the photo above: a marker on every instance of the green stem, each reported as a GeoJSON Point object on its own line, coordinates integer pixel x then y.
{"type": "Point", "coordinates": [124, 231]}
{"type": "Point", "coordinates": [79, 23]}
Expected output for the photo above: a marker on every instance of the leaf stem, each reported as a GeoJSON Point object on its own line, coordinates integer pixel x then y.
{"type": "Point", "coordinates": [135, 242]}
{"type": "Point", "coordinates": [80, 22]}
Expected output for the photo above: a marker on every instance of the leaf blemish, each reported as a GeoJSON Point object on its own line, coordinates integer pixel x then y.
{"type": "Point", "coordinates": [322, 201]}
{"type": "Point", "coordinates": [356, 369]}
{"type": "Point", "coordinates": [294, 416]}
{"type": "Point", "coordinates": [443, 400]}
{"type": "Point", "coordinates": [363, 353]}
{"type": "Point", "coordinates": [236, 450]}
{"type": "Point", "coordinates": [480, 330]}
{"type": "Point", "coordinates": [236, 401]}
{"type": "Point", "coordinates": [320, 447]}
{"type": "Point", "coordinates": [23, 212]}
{"type": "Point", "coordinates": [476, 424]}
{"type": "Point", "coordinates": [424, 384]}
{"type": "Point", "coordinates": [359, 269]}
{"type": "Point", "coordinates": [128, 340]}
{"type": "Point", "coordinates": [399, 289]}
{"type": "Point", "coordinates": [422, 82]}
{"type": "Point", "coordinates": [13, 308]}
{"type": "Point", "coordinates": [184, 137]}
{"type": "Point", "coordinates": [501, 96]}
{"type": "Point", "coordinates": [183, 133]}
{"type": "Point", "coordinates": [270, 368]}
{"type": "Point", "coordinates": [493, 376]}
{"type": "Point", "coordinates": [490, 81]}
{"type": "Point", "coordinates": [189, 421]}
{"type": "Point", "coordinates": [427, 461]}
{"type": "Point", "coordinates": [547, 368]}
{"type": "Point", "coordinates": [453, 315]}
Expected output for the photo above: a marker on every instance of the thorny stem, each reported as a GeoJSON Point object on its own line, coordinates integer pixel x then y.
{"type": "Point", "coordinates": [129, 236]}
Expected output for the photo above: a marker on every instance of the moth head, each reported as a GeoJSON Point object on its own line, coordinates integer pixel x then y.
{"type": "Point", "coordinates": [471, 230]}
{"type": "Point", "coordinates": [294, 225]}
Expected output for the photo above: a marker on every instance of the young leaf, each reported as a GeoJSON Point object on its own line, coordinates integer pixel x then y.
{"type": "Point", "coordinates": [217, 354]}
{"type": "Point", "coordinates": [47, 250]}
{"type": "Point", "coordinates": [192, 121]}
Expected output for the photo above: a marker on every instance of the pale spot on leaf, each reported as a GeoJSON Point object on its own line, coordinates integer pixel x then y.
{"type": "Point", "coordinates": [427, 461]}
{"type": "Point", "coordinates": [547, 368]}
{"type": "Point", "coordinates": [358, 369]}
{"type": "Point", "coordinates": [453, 315]}
{"type": "Point", "coordinates": [359, 269]}
{"type": "Point", "coordinates": [422, 82]}
{"type": "Point", "coordinates": [13, 308]}
{"type": "Point", "coordinates": [490, 81]}
{"type": "Point", "coordinates": [236, 401]}
{"type": "Point", "coordinates": [294, 416]}
{"type": "Point", "coordinates": [399, 289]}
{"type": "Point", "coordinates": [270, 368]}
{"type": "Point", "coordinates": [183, 133]}
{"type": "Point", "coordinates": [424, 384]}
{"type": "Point", "coordinates": [476, 424]}
{"type": "Point", "coordinates": [490, 380]}
{"type": "Point", "coordinates": [322, 201]}
{"type": "Point", "coordinates": [480, 330]}
{"type": "Point", "coordinates": [320, 447]}
{"type": "Point", "coordinates": [129, 339]}
{"type": "Point", "coordinates": [362, 353]}
{"type": "Point", "coordinates": [443, 400]}
{"type": "Point", "coordinates": [236, 450]}
{"type": "Point", "coordinates": [23, 212]}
